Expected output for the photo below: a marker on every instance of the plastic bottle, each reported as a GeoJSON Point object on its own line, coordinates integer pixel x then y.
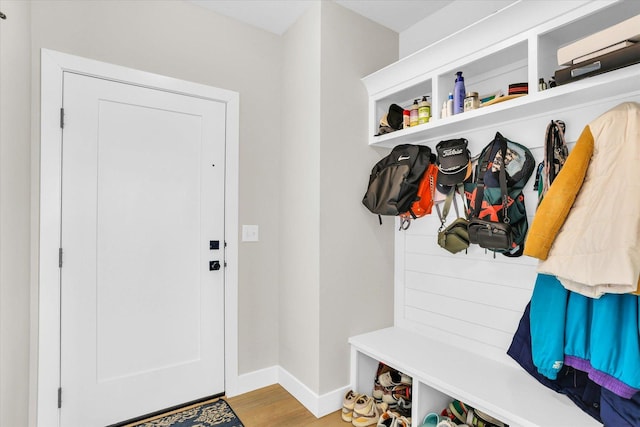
{"type": "Point", "coordinates": [424, 111]}
{"type": "Point", "coordinates": [443, 112]}
{"type": "Point", "coordinates": [406, 119]}
{"type": "Point", "coordinates": [541, 84]}
{"type": "Point", "coordinates": [413, 113]}
{"type": "Point", "coordinates": [458, 94]}
{"type": "Point", "coordinates": [450, 105]}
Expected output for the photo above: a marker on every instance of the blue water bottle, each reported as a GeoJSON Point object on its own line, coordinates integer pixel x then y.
{"type": "Point", "coordinates": [458, 94]}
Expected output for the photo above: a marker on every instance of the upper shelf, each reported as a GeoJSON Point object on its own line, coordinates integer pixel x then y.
{"type": "Point", "coordinates": [615, 84]}
{"type": "Point", "coordinates": [506, 57]}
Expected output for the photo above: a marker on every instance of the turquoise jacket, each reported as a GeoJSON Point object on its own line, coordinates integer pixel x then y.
{"type": "Point", "coordinates": [601, 336]}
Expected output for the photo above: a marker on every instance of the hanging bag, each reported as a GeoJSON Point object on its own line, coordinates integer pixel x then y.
{"type": "Point", "coordinates": [394, 180]}
{"type": "Point", "coordinates": [555, 155]}
{"type": "Point", "coordinates": [426, 193]}
{"type": "Point", "coordinates": [491, 234]}
{"type": "Point", "coordinates": [454, 237]}
{"type": "Point", "coordinates": [496, 209]}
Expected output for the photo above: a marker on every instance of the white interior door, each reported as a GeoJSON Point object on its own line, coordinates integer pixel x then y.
{"type": "Point", "coordinates": [142, 197]}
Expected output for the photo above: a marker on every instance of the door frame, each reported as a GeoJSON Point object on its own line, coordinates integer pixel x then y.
{"type": "Point", "coordinates": [53, 65]}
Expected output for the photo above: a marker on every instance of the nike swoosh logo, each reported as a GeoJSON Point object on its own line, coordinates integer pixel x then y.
{"type": "Point", "coordinates": [401, 158]}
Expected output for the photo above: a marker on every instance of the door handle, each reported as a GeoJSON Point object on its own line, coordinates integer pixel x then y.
{"type": "Point", "coordinates": [214, 265]}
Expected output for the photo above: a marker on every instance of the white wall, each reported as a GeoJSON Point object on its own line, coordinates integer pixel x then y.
{"type": "Point", "coordinates": [447, 20]}
{"type": "Point", "coordinates": [356, 253]}
{"type": "Point", "coordinates": [15, 94]}
{"type": "Point", "coordinates": [336, 261]}
{"type": "Point", "coordinates": [300, 203]}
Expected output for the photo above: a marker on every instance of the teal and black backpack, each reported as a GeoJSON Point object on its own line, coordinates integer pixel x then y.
{"type": "Point", "coordinates": [486, 199]}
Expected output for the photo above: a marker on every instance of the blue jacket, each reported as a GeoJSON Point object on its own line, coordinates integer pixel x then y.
{"type": "Point", "coordinates": [602, 404]}
{"type": "Point", "coordinates": [603, 331]}
{"type": "Point", "coordinates": [571, 382]}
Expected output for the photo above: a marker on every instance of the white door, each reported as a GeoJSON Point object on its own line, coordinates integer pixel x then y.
{"type": "Point", "coordinates": [142, 207]}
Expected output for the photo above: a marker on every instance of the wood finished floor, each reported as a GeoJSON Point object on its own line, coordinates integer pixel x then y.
{"type": "Point", "coordinates": [273, 406]}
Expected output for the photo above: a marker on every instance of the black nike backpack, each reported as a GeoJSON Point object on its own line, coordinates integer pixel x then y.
{"type": "Point", "coordinates": [394, 180]}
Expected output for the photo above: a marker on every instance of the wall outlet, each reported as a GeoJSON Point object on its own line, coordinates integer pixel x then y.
{"type": "Point", "coordinates": [249, 233]}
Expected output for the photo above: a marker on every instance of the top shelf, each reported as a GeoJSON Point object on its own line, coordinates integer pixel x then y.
{"type": "Point", "coordinates": [525, 56]}
{"type": "Point", "coordinates": [615, 84]}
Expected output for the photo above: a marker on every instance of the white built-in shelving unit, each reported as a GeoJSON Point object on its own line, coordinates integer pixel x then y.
{"type": "Point", "coordinates": [455, 315]}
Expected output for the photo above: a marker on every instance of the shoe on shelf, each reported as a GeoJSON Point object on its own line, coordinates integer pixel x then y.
{"type": "Point", "coordinates": [387, 419]}
{"type": "Point", "coordinates": [402, 391]}
{"type": "Point", "coordinates": [403, 422]}
{"type": "Point", "coordinates": [446, 422]}
{"type": "Point", "coordinates": [459, 411]}
{"type": "Point", "coordinates": [486, 419]}
{"type": "Point", "coordinates": [403, 409]}
{"type": "Point", "coordinates": [382, 368]}
{"type": "Point", "coordinates": [348, 402]}
{"type": "Point", "coordinates": [366, 411]}
{"type": "Point", "coordinates": [378, 391]}
{"type": "Point", "coordinates": [431, 420]}
{"type": "Point", "coordinates": [393, 378]}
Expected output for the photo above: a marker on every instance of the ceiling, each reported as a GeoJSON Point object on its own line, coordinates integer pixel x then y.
{"type": "Point", "coordinates": [277, 16]}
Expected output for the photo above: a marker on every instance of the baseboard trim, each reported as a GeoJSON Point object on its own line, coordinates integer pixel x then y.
{"type": "Point", "coordinates": [318, 405]}
{"type": "Point", "coordinates": [254, 380]}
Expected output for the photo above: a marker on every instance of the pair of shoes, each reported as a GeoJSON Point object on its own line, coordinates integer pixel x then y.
{"type": "Point", "coordinates": [390, 384]}
{"type": "Point", "coordinates": [431, 420]}
{"type": "Point", "coordinates": [366, 411]}
{"type": "Point", "coordinates": [348, 403]}
{"type": "Point", "coordinates": [391, 419]}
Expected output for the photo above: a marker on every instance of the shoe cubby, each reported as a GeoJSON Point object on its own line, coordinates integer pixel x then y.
{"type": "Point", "coordinates": [442, 372]}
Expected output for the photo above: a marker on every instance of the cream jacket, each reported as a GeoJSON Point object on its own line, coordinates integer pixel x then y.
{"type": "Point", "coordinates": [587, 232]}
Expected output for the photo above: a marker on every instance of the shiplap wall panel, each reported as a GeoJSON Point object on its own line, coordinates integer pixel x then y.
{"type": "Point", "coordinates": [475, 299]}
{"type": "Point", "coordinates": [488, 316]}
{"type": "Point", "coordinates": [451, 329]}
{"type": "Point", "coordinates": [482, 292]}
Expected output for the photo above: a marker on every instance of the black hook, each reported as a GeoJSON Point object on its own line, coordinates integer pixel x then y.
{"type": "Point", "coordinates": [3, 16]}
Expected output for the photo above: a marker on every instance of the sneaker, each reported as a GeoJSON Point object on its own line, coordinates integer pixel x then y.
{"type": "Point", "coordinates": [459, 411]}
{"type": "Point", "coordinates": [402, 391]}
{"type": "Point", "coordinates": [347, 405]}
{"type": "Point", "coordinates": [366, 411]}
{"type": "Point", "coordinates": [488, 420]}
{"type": "Point", "coordinates": [403, 422]}
{"type": "Point", "coordinates": [393, 378]}
{"type": "Point", "coordinates": [391, 395]}
{"type": "Point", "coordinates": [447, 423]}
{"type": "Point", "coordinates": [378, 391]}
{"type": "Point", "coordinates": [387, 419]}
{"type": "Point", "coordinates": [403, 409]}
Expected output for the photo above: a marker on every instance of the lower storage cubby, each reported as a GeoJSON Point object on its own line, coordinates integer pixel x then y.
{"type": "Point", "coordinates": [442, 372]}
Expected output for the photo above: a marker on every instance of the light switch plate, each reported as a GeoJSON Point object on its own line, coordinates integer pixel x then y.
{"type": "Point", "coordinates": [249, 233]}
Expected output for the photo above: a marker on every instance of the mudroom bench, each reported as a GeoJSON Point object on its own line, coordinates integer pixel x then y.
{"type": "Point", "coordinates": [442, 372]}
